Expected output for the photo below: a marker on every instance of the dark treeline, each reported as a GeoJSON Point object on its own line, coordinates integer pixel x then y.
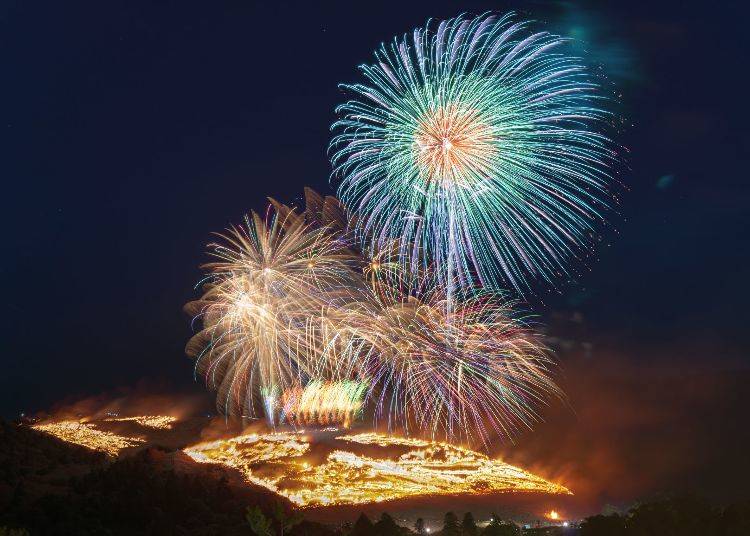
{"type": "Point", "coordinates": [684, 515]}
{"type": "Point", "coordinates": [50, 487]}
{"type": "Point", "coordinates": [672, 516]}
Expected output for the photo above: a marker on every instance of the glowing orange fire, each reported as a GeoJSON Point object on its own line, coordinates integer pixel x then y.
{"type": "Point", "coordinates": [275, 461]}
{"type": "Point", "coordinates": [353, 468]}
{"type": "Point", "coordinates": [160, 422]}
{"type": "Point", "coordinates": [86, 435]}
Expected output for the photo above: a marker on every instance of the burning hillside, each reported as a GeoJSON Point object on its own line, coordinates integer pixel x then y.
{"type": "Point", "coordinates": [86, 435]}
{"type": "Point", "coordinates": [321, 468]}
{"type": "Point", "coordinates": [364, 468]}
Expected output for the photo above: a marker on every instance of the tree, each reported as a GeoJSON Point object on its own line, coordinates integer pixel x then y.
{"type": "Point", "coordinates": [498, 527]}
{"type": "Point", "coordinates": [468, 525]}
{"type": "Point", "coordinates": [285, 520]}
{"type": "Point", "coordinates": [6, 531]}
{"type": "Point", "coordinates": [311, 528]}
{"type": "Point", "coordinates": [674, 516]}
{"type": "Point", "coordinates": [450, 525]}
{"type": "Point", "coordinates": [363, 527]}
{"type": "Point", "coordinates": [419, 526]}
{"type": "Point", "coordinates": [386, 526]}
{"type": "Point", "coordinates": [258, 521]}
{"type": "Point", "coordinates": [735, 520]}
{"type": "Point", "coordinates": [601, 525]}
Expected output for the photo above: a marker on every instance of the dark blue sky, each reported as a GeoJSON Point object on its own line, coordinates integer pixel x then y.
{"type": "Point", "coordinates": [131, 130]}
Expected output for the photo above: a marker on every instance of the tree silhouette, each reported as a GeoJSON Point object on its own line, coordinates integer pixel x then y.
{"type": "Point", "coordinates": [681, 515]}
{"type": "Point", "coordinates": [498, 527]}
{"type": "Point", "coordinates": [611, 525]}
{"type": "Point", "coordinates": [386, 526]}
{"type": "Point", "coordinates": [6, 531]}
{"type": "Point", "coordinates": [286, 520]}
{"type": "Point", "coordinates": [419, 526]}
{"type": "Point", "coordinates": [468, 525]}
{"type": "Point", "coordinates": [450, 525]}
{"type": "Point", "coordinates": [735, 520]}
{"type": "Point", "coordinates": [363, 527]}
{"type": "Point", "coordinates": [258, 521]}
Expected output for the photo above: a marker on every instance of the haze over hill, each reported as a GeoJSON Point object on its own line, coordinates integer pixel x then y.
{"type": "Point", "coordinates": [329, 471]}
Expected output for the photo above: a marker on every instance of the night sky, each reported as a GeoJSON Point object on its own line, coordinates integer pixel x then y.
{"type": "Point", "coordinates": [131, 131]}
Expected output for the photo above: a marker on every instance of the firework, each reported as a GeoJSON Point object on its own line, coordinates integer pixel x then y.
{"type": "Point", "coordinates": [477, 146]}
{"type": "Point", "coordinates": [319, 212]}
{"type": "Point", "coordinates": [464, 373]}
{"type": "Point", "coordinates": [301, 323]}
{"type": "Point", "coordinates": [323, 403]}
{"type": "Point", "coordinates": [272, 279]}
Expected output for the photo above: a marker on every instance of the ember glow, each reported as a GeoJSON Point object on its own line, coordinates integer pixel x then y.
{"type": "Point", "coordinates": [407, 467]}
{"type": "Point", "coordinates": [329, 466]}
{"type": "Point", "coordinates": [87, 435]}
{"type": "Point", "coordinates": [159, 422]}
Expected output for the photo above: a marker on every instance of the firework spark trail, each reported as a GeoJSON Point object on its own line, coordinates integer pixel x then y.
{"type": "Point", "coordinates": [471, 159]}
{"type": "Point", "coordinates": [361, 333]}
{"type": "Point", "coordinates": [476, 145]}
{"type": "Point", "coordinates": [464, 373]}
{"type": "Point", "coordinates": [323, 403]}
{"type": "Point", "coordinates": [272, 276]}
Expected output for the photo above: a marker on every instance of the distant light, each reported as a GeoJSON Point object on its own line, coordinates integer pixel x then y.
{"type": "Point", "coordinates": [427, 529]}
{"type": "Point", "coordinates": [565, 523]}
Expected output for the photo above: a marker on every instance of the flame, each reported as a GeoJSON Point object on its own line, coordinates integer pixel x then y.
{"type": "Point", "coordinates": [159, 422]}
{"type": "Point", "coordinates": [86, 435]}
{"type": "Point", "coordinates": [278, 462]}
{"type": "Point", "coordinates": [426, 468]}
{"type": "Point", "coordinates": [553, 515]}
